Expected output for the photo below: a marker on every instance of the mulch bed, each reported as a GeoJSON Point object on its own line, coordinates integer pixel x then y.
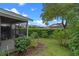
{"type": "Point", "coordinates": [30, 51]}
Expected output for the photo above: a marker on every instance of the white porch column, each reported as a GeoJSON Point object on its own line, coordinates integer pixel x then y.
{"type": "Point", "coordinates": [13, 31]}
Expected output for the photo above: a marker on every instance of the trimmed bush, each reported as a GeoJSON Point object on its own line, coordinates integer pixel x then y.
{"type": "Point", "coordinates": [34, 35]}
{"type": "Point", "coordinates": [44, 34]}
{"type": "Point", "coordinates": [22, 43]}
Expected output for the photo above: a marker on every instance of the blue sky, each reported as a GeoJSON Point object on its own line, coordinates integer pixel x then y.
{"type": "Point", "coordinates": [31, 10]}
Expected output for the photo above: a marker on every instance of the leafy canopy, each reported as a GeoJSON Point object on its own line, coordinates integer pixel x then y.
{"type": "Point", "coordinates": [66, 11]}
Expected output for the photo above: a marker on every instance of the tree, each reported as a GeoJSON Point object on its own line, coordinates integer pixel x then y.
{"type": "Point", "coordinates": [69, 12]}
{"type": "Point", "coordinates": [65, 11]}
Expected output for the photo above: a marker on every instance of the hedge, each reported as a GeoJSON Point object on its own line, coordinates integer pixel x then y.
{"type": "Point", "coordinates": [42, 32]}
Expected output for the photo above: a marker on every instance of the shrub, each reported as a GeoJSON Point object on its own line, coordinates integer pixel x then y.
{"type": "Point", "coordinates": [58, 34]}
{"type": "Point", "coordinates": [22, 43]}
{"type": "Point", "coordinates": [74, 44]}
{"type": "Point", "coordinates": [62, 36]}
{"type": "Point", "coordinates": [41, 31]}
{"type": "Point", "coordinates": [34, 35]}
{"type": "Point", "coordinates": [50, 34]}
{"type": "Point", "coordinates": [44, 34]}
{"type": "Point", "coordinates": [3, 53]}
{"type": "Point", "coordinates": [76, 52]}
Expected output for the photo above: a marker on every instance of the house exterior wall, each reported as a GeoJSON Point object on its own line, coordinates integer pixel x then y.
{"type": "Point", "coordinates": [10, 18]}
{"type": "Point", "coordinates": [8, 44]}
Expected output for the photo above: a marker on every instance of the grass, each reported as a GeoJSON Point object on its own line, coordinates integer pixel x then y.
{"type": "Point", "coordinates": [52, 48]}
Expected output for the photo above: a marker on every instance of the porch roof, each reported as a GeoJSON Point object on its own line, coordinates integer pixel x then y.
{"type": "Point", "coordinates": [8, 16]}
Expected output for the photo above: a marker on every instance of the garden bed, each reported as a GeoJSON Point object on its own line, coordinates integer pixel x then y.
{"type": "Point", "coordinates": [30, 51]}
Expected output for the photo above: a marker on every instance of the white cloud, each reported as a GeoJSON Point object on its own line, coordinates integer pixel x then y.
{"type": "Point", "coordinates": [54, 20]}
{"type": "Point", "coordinates": [25, 15]}
{"type": "Point", "coordinates": [21, 4]}
{"type": "Point", "coordinates": [7, 9]}
{"type": "Point", "coordinates": [33, 9]}
{"type": "Point", "coordinates": [14, 10]}
{"type": "Point", "coordinates": [37, 23]}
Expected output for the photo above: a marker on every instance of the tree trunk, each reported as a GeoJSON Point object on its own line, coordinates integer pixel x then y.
{"type": "Point", "coordinates": [64, 25]}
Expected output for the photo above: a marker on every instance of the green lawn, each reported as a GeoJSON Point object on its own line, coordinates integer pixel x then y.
{"type": "Point", "coordinates": [52, 48]}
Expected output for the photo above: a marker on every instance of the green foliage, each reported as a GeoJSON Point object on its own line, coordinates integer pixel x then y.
{"type": "Point", "coordinates": [22, 43]}
{"type": "Point", "coordinates": [76, 52]}
{"type": "Point", "coordinates": [50, 34]}
{"type": "Point", "coordinates": [52, 48]}
{"type": "Point", "coordinates": [57, 34]}
{"type": "Point", "coordinates": [65, 11]}
{"type": "Point", "coordinates": [63, 36]}
{"type": "Point", "coordinates": [70, 35]}
{"type": "Point", "coordinates": [74, 44]}
{"type": "Point", "coordinates": [44, 34]}
{"type": "Point", "coordinates": [40, 32]}
{"type": "Point", "coordinates": [3, 53]}
{"type": "Point", "coordinates": [34, 35]}
{"type": "Point", "coordinates": [74, 37]}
